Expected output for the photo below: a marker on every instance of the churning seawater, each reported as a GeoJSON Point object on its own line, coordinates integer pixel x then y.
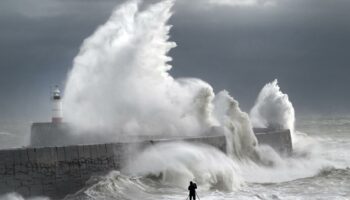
{"type": "Point", "coordinates": [319, 169]}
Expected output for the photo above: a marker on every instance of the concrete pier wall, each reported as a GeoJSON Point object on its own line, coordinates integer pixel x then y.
{"type": "Point", "coordinates": [61, 134]}
{"type": "Point", "coordinates": [280, 140]}
{"type": "Point", "coordinates": [58, 171]}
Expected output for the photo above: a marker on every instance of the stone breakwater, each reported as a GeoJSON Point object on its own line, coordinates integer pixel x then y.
{"type": "Point", "coordinates": [58, 171]}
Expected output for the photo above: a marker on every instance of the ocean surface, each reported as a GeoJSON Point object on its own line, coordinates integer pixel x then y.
{"type": "Point", "coordinates": [318, 169]}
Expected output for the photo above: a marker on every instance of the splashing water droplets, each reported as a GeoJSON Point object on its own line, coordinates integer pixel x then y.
{"type": "Point", "coordinates": [120, 84]}
{"type": "Point", "coordinates": [273, 109]}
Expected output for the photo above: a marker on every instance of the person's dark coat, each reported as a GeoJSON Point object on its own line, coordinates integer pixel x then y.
{"type": "Point", "coordinates": [192, 188]}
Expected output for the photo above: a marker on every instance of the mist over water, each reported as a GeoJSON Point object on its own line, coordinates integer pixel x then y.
{"type": "Point", "coordinates": [120, 84]}
{"type": "Point", "coordinates": [176, 163]}
{"type": "Point", "coordinates": [120, 78]}
{"type": "Point", "coordinates": [273, 109]}
{"type": "Point", "coordinates": [15, 196]}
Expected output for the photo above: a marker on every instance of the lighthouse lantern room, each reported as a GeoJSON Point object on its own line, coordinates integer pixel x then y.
{"type": "Point", "coordinates": [56, 105]}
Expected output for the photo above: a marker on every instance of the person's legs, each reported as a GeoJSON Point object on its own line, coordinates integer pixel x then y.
{"type": "Point", "coordinates": [192, 197]}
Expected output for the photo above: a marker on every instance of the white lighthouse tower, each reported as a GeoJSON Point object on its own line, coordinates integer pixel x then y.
{"type": "Point", "coordinates": [56, 105]}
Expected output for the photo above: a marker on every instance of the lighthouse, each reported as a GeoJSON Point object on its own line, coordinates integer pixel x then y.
{"type": "Point", "coordinates": [56, 105]}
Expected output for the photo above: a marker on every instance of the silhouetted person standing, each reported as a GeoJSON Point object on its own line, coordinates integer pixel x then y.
{"type": "Point", "coordinates": [192, 188]}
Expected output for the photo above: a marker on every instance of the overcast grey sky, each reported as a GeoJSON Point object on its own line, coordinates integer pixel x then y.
{"type": "Point", "coordinates": [305, 44]}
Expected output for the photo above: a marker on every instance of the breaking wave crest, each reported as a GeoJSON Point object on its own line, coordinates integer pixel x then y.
{"type": "Point", "coordinates": [165, 170]}
{"type": "Point", "coordinates": [121, 79]}
{"type": "Point", "coordinates": [177, 163]}
{"type": "Point", "coordinates": [273, 109]}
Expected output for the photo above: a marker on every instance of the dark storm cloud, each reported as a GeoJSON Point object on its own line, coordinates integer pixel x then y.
{"type": "Point", "coordinates": [302, 43]}
{"type": "Point", "coordinates": [239, 48]}
{"type": "Point", "coordinates": [36, 51]}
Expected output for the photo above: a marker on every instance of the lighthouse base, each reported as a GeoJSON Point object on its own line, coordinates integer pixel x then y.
{"type": "Point", "coordinates": [56, 120]}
